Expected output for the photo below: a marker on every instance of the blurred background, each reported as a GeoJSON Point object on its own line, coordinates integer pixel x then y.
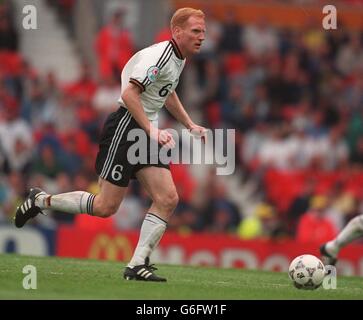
{"type": "Point", "coordinates": [292, 90]}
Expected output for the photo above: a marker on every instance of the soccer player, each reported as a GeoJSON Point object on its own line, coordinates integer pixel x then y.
{"type": "Point", "coordinates": [353, 230]}
{"type": "Point", "coordinates": [149, 80]}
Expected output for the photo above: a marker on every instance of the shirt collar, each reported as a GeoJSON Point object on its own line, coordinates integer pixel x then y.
{"type": "Point", "coordinates": [176, 49]}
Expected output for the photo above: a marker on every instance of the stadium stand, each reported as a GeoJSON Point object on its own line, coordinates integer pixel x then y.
{"type": "Point", "coordinates": [295, 98]}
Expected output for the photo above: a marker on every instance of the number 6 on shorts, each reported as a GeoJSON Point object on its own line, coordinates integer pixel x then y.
{"type": "Point", "coordinates": [117, 172]}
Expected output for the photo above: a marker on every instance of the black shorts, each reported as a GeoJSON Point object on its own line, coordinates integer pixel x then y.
{"type": "Point", "coordinates": [112, 163]}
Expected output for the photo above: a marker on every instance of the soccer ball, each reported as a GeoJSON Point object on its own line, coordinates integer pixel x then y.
{"type": "Point", "coordinates": [307, 272]}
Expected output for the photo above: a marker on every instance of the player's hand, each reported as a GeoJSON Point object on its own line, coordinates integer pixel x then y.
{"type": "Point", "coordinates": [163, 137]}
{"type": "Point", "coordinates": [166, 139]}
{"type": "Point", "coordinates": [199, 132]}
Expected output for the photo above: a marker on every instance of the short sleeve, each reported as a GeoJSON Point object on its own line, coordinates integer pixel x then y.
{"type": "Point", "coordinates": [146, 71]}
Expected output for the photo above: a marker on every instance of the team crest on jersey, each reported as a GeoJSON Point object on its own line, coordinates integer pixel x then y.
{"type": "Point", "coordinates": [152, 73]}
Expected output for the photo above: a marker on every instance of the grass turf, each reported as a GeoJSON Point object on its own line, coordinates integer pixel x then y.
{"type": "Point", "coordinates": [59, 278]}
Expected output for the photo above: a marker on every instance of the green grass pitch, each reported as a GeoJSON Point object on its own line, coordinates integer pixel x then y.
{"type": "Point", "coordinates": [65, 279]}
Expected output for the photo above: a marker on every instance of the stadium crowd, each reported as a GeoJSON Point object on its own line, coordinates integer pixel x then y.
{"type": "Point", "coordinates": [295, 98]}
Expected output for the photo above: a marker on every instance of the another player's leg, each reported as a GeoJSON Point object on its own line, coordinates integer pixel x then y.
{"type": "Point", "coordinates": [103, 204]}
{"type": "Point", "coordinates": [353, 230]}
{"type": "Point", "coordinates": [159, 184]}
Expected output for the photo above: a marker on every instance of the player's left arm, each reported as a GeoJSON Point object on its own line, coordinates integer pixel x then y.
{"type": "Point", "coordinates": [174, 105]}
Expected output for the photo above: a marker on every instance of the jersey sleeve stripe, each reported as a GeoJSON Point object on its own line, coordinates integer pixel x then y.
{"type": "Point", "coordinates": [136, 82]}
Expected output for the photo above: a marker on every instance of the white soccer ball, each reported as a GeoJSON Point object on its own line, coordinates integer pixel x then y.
{"type": "Point", "coordinates": [307, 272]}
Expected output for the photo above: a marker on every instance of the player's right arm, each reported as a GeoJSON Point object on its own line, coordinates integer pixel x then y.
{"type": "Point", "coordinates": [132, 100]}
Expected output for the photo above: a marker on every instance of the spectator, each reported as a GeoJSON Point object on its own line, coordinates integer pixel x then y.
{"type": "Point", "coordinates": [62, 114]}
{"type": "Point", "coordinates": [276, 151]}
{"type": "Point", "coordinates": [357, 154]}
{"type": "Point", "coordinates": [85, 86]}
{"type": "Point", "coordinates": [231, 34]}
{"type": "Point", "coordinates": [8, 35]}
{"type": "Point", "coordinates": [350, 56]}
{"type": "Point", "coordinates": [261, 224]}
{"type": "Point", "coordinates": [106, 96]}
{"type": "Point", "coordinates": [164, 34]}
{"type": "Point", "coordinates": [16, 141]}
{"type": "Point", "coordinates": [33, 107]}
{"type": "Point", "coordinates": [114, 46]}
{"type": "Point", "coordinates": [299, 206]}
{"type": "Point", "coordinates": [220, 213]}
{"type": "Point", "coordinates": [313, 226]}
{"type": "Point", "coordinates": [47, 163]}
{"type": "Point", "coordinates": [260, 39]}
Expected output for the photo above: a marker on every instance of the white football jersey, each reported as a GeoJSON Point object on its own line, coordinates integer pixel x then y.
{"type": "Point", "coordinates": [156, 70]}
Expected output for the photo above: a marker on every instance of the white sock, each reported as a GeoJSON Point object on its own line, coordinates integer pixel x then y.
{"type": "Point", "coordinates": [71, 202]}
{"type": "Point", "coordinates": [152, 230]}
{"type": "Point", "coordinates": [353, 230]}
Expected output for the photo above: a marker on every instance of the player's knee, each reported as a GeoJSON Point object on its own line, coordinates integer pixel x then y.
{"type": "Point", "coordinates": [169, 201]}
{"type": "Point", "coordinates": [108, 209]}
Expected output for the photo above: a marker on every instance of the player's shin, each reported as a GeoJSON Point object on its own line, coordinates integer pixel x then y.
{"type": "Point", "coordinates": [152, 230]}
{"type": "Point", "coordinates": [71, 202]}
